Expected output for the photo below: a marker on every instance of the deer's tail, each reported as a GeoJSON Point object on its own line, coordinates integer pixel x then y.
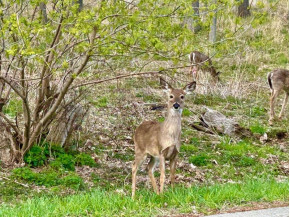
{"type": "Point", "coordinates": [191, 57]}
{"type": "Point", "coordinates": [269, 80]}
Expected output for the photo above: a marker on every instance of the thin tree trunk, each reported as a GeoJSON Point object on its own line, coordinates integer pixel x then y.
{"type": "Point", "coordinates": [42, 6]}
{"type": "Point", "coordinates": [243, 9]}
{"type": "Point", "coordinates": [212, 34]}
{"type": "Point", "coordinates": [196, 25]}
{"type": "Point", "coordinates": [81, 4]}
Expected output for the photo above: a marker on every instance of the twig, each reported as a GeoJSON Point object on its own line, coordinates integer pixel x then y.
{"type": "Point", "coordinates": [114, 78]}
{"type": "Point", "coordinates": [24, 185]}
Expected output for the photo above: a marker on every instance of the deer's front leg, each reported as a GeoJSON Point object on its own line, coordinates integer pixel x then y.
{"type": "Point", "coordinates": [173, 163]}
{"type": "Point", "coordinates": [162, 172]}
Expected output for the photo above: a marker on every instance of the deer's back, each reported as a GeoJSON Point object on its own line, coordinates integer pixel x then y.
{"type": "Point", "coordinates": [200, 57]}
{"type": "Point", "coordinates": [146, 137]}
{"type": "Point", "coordinates": [279, 78]}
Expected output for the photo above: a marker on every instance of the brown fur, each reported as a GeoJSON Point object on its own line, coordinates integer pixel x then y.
{"type": "Point", "coordinates": [204, 63]}
{"type": "Point", "coordinates": [160, 141]}
{"type": "Point", "coordinates": [278, 81]}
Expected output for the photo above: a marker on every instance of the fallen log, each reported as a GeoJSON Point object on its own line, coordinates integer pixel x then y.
{"type": "Point", "coordinates": [214, 122]}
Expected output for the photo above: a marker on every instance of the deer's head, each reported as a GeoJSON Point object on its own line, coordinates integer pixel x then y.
{"type": "Point", "coordinates": [176, 97]}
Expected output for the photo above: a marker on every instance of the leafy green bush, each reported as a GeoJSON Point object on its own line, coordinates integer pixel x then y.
{"type": "Point", "coordinates": [49, 178]}
{"type": "Point", "coordinates": [73, 181]}
{"type": "Point", "coordinates": [65, 161]}
{"type": "Point", "coordinates": [56, 150]}
{"type": "Point", "coordinates": [199, 160]}
{"type": "Point", "coordinates": [36, 156]}
{"type": "Point", "coordinates": [56, 165]}
{"type": "Point", "coordinates": [84, 159]}
{"type": "Point", "coordinates": [24, 173]}
{"type": "Point", "coordinates": [46, 178]}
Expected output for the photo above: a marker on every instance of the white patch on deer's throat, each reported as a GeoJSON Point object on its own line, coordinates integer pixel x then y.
{"type": "Point", "coordinates": [174, 111]}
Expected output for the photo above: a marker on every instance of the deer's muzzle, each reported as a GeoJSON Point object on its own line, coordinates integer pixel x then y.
{"type": "Point", "coordinates": [176, 105]}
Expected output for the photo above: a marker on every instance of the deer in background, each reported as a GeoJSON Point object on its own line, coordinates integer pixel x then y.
{"type": "Point", "coordinates": [161, 141]}
{"type": "Point", "coordinates": [200, 61]}
{"type": "Point", "coordinates": [278, 80]}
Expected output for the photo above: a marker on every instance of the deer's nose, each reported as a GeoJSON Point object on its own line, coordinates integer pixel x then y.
{"type": "Point", "coordinates": [176, 105]}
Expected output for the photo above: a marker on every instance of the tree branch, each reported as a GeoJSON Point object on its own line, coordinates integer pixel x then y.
{"type": "Point", "coordinates": [114, 78]}
{"type": "Point", "coordinates": [10, 123]}
{"type": "Point", "coordinates": [13, 87]}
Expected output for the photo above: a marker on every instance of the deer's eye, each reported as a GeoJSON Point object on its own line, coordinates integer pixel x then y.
{"type": "Point", "coordinates": [182, 97]}
{"type": "Point", "coordinates": [171, 96]}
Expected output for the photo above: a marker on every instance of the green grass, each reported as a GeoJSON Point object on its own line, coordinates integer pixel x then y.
{"type": "Point", "coordinates": [258, 128]}
{"type": "Point", "coordinates": [199, 160]}
{"type": "Point", "coordinates": [180, 199]}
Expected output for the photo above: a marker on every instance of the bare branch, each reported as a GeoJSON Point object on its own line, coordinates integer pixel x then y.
{"type": "Point", "coordinates": [127, 75]}
{"type": "Point", "coordinates": [8, 121]}
{"type": "Point", "coordinates": [10, 83]}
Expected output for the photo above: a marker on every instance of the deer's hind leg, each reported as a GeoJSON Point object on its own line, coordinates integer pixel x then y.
{"type": "Point", "coordinates": [137, 162]}
{"type": "Point", "coordinates": [150, 167]}
{"type": "Point", "coordinates": [162, 172]}
{"type": "Point", "coordinates": [274, 95]}
{"type": "Point", "coordinates": [284, 105]}
{"type": "Point", "coordinates": [172, 165]}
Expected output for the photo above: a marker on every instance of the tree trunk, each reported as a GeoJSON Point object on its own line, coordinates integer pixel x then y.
{"type": "Point", "coordinates": [243, 9]}
{"type": "Point", "coordinates": [212, 34]}
{"type": "Point", "coordinates": [196, 25]}
{"type": "Point", "coordinates": [81, 4]}
{"type": "Point", "coordinates": [67, 122]}
{"type": "Point", "coordinates": [42, 6]}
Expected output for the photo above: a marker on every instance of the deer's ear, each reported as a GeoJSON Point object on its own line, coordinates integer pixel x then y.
{"type": "Point", "coordinates": [165, 85]}
{"type": "Point", "coordinates": [189, 88]}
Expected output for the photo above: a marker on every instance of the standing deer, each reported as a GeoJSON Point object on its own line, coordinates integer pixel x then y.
{"type": "Point", "coordinates": [199, 61]}
{"type": "Point", "coordinates": [161, 141]}
{"type": "Point", "coordinates": [278, 80]}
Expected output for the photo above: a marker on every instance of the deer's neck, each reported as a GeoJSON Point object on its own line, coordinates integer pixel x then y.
{"type": "Point", "coordinates": [170, 131]}
{"type": "Point", "coordinates": [172, 122]}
